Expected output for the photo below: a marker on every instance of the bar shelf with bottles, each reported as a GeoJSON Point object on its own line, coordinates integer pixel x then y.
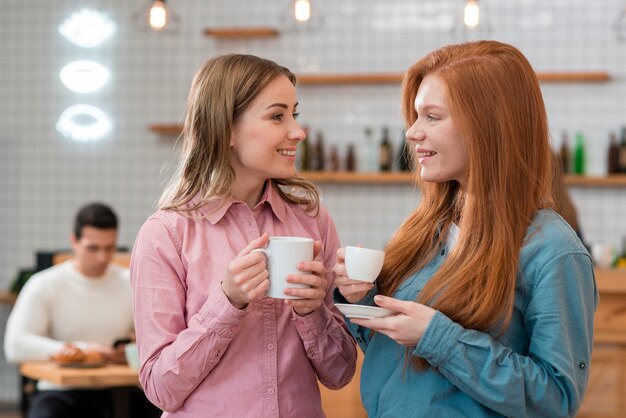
{"type": "Point", "coordinates": [397, 177]}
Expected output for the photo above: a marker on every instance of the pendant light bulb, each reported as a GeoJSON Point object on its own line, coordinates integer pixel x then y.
{"type": "Point", "coordinates": [158, 15]}
{"type": "Point", "coordinates": [302, 10]}
{"type": "Point", "coordinates": [471, 16]}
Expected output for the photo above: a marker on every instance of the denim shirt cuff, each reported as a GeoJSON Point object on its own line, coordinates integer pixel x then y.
{"type": "Point", "coordinates": [438, 340]}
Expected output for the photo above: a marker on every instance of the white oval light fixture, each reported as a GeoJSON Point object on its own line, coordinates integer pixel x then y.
{"type": "Point", "coordinates": [87, 28]}
{"type": "Point", "coordinates": [84, 76]}
{"type": "Point", "coordinates": [83, 122]}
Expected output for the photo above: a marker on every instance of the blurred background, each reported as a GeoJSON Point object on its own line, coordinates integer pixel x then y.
{"type": "Point", "coordinates": [90, 111]}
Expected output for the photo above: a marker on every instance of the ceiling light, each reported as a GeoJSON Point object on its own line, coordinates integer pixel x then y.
{"type": "Point", "coordinates": [156, 16]}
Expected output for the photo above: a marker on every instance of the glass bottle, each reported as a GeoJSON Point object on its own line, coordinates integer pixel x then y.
{"type": "Point", "coordinates": [333, 159]}
{"type": "Point", "coordinates": [613, 166]}
{"type": "Point", "coordinates": [385, 155]}
{"type": "Point", "coordinates": [579, 154]}
{"type": "Point", "coordinates": [350, 158]}
{"type": "Point", "coordinates": [304, 151]}
{"type": "Point", "coordinates": [565, 153]}
{"type": "Point", "coordinates": [368, 160]}
{"type": "Point", "coordinates": [320, 156]}
{"type": "Point", "coordinates": [622, 151]}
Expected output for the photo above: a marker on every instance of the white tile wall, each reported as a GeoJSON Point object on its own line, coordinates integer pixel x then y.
{"type": "Point", "coordinates": [45, 177]}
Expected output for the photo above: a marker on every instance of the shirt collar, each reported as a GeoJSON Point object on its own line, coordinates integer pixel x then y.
{"type": "Point", "coordinates": [215, 210]}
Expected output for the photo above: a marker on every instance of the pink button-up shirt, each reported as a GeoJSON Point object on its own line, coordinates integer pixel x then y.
{"type": "Point", "coordinates": [202, 357]}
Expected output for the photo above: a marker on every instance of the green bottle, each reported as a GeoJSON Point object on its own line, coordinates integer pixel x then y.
{"type": "Point", "coordinates": [579, 154]}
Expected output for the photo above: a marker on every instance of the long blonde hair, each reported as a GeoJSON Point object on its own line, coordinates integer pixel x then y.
{"type": "Point", "coordinates": [496, 103]}
{"type": "Point", "coordinates": [221, 91]}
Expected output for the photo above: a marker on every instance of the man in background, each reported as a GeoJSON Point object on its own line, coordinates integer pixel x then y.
{"type": "Point", "coordinates": [82, 306]}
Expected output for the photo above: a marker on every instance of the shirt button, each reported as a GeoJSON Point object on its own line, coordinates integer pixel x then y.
{"type": "Point", "coordinates": [582, 365]}
{"type": "Point", "coordinates": [270, 391]}
{"type": "Point", "coordinates": [359, 339]}
{"type": "Point", "coordinates": [270, 346]}
{"type": "Point", "coordinates": [443, 252]}
{"type": "Point", "coordinates": [217, 354]}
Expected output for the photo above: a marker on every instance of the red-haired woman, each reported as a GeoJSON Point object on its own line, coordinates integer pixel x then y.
{"type": "Point", "coordinates": [494, 291]}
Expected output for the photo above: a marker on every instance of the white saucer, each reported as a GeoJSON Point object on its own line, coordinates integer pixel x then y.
{"type": "Point", "coordinates": [363, 311]}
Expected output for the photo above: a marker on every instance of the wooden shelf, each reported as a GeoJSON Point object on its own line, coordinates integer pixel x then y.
{"type": "Point", "coordinates": [396, 78]}
{"type": "Point", "coordinates": [574, 77]}
{"type": "Point", "coordinates": [614, 180]}
{"type": "Point", "coordinates": [345, 177]}
{"type": "Point", "coordinates": [337, 79]}
{"type": "Point", "coordinates": [166, 129]}
{"type": "Point", "coordinates": [241, 33]}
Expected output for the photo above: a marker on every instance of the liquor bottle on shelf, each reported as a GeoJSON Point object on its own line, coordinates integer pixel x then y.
{"type": "Point", "coordinates": [368, 161]}
{"type": "Point", "coordinates": [304, 151]}
{"type": "Point", "coordinates": [350, 158]}
{"type": "Point", "coordinates": [579, 154]}
{"type": "Point", "coordinates": [565, 153]}
{"type": "Point", "coordinates": [613, 155]}
{"type": "Point", "coordinates": [403, 154]}
{"type": "Point", "coordinates": [333, 159]}
{"type": "Point", "coordinates": [319, 161]}
{"type": "Point", "coordinates": [622, 151]}
{"type": "Point", "coordinates": [385, 156]}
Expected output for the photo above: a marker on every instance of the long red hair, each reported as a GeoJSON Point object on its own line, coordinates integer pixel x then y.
{"type": "Point", "coordinates": [497, 106]}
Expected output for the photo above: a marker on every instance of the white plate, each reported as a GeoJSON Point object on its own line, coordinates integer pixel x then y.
{"type": "Point", "coordinates": [363, 311]}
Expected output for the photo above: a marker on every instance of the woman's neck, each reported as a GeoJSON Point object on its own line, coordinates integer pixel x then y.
{"type": "Point", "coordinates": [249, 193]}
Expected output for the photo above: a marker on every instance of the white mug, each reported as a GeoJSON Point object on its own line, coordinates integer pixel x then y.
{"type": "Point", "coordinates": [363, 263]}
{"type": "Point", "coordinates": [283, 256]}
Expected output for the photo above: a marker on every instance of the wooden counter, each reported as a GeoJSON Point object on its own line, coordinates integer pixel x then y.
{"type": "Point", "coordinates": [606, 393]}
{"type": "Point", "coordinates": [111, 375]}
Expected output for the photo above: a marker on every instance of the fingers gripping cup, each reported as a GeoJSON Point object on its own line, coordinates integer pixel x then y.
{"type": "Point", "coordinates": [364, 263]}
{"type": "Point", "coordinates": [283, 256]}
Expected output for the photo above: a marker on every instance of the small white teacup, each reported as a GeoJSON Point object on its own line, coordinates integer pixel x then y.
{"type": "Point", "coordinates": [364, 263]}
{"type": "Point", "coordinates": [283, 256]}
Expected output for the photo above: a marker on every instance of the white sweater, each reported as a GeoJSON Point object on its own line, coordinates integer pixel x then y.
{"type": "Point", "coordinates": [60, 305]}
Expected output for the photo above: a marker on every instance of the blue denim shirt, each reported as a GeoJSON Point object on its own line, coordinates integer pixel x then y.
{"type": "Point", "coordinates": [538, 367]}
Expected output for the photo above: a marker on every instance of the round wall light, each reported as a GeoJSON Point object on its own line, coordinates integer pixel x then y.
{"type": "Point", "coordinates": [83, 122]}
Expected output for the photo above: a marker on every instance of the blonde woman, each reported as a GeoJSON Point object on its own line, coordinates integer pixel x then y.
{"type": "Point", "coordinates": [494, 293]}
{"type": "Point", "coordinates": [210, 343]}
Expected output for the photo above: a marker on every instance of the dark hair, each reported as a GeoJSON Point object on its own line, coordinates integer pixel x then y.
{"type": "Point", "coordinates": [97, 215]}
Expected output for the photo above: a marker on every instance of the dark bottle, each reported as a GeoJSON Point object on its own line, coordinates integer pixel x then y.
{"type": "Point", "coordinates": [305, 151]}
{"type": "Point", "coordinates": [579, 154]}
{"type": "Point", "coordinates": [350, 158]}
{"type": "Point", "coordinates": [333, 159]}
{"type": "Point", "coordinates": [565, 154]}
{"type": "Point", "coordinates": [403, 154]}
{"type": "Point", "coordinates": [320, 157]}
{"type": "Point", "coordinates": [613, 155]}
{"type": "Point", "coordinates": [622, 151]}
{"type": "Point", "coordinates": [385, 152]}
